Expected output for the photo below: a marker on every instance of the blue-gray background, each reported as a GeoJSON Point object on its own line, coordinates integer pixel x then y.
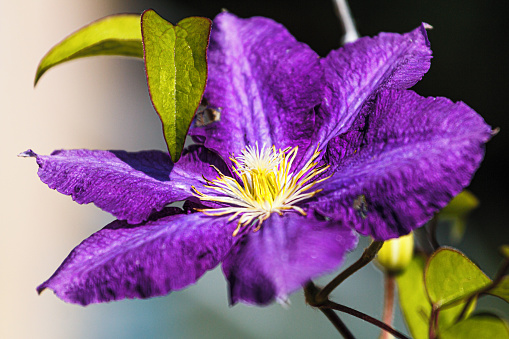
{"type": "Point", "coordinates": [103, 103]}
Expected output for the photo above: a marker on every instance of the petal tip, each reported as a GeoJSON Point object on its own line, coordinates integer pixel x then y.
{"type": "Point", "coordinates": [284, 301]}
{"type": "Point", "coordinates": [27, 154]}
{"type": "Point", "coordinates": [423, 30]}
{"type": "Point", "coordinates": [41, 288]}
{"type": "Point", "coordinates": [427, 26]}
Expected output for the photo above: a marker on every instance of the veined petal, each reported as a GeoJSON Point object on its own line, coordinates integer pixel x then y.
{"type": "Point", "coordinates": [264, 84]}
{"type": "Point", "coordinates": [359, 70]}
{"type": "Point", "coordinates": [169, 252]}
{"type": "Point", "coordinates": [402, 160]}
{"type": "Point", "coordinates": [283, 255]}
{"type": "Point", "coordinates": [128, 185]}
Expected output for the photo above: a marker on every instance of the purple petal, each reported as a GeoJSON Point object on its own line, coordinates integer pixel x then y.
{"type": "Point", "coordinates": [128, 185]}
{"type": "Point", "coordinates": [286, 253]}
{"type": "Point", "coordinates": [357, 71]}
{"type": "Point", "coordinates": [401, 161]}
{"type": "Point", "coordinates": [166, 253]}
{"type": "Point", "coordinates": [264, 83]}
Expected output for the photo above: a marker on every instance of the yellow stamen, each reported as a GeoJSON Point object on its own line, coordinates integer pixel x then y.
{"type": "Point", "coordinates": [266, 185]}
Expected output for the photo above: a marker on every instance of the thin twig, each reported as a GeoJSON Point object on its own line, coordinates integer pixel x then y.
{"type": "Point", "coordinates": [347, 22]}
{"type": "Point", "coordinates": [423, 239]}
{"type": "Point", "coordinates": [433, 233]}
{"type": "Point", "coordinates": [311, 291]}
{"type": "Point", "coordinates": [433, 323]}
{"type": "Point", "coordinates": [467, 306]}
{"type": "Point", "coordinates": [388, 313]}
{"type": "Point", "coordinates": [368, 255]}
{"type": "Point", "coordinates": [337, 322]}
{"type": "Point", "coordinates": [365, 317]}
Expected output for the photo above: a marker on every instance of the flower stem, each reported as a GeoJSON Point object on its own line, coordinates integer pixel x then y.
{"type": "Point", "coordinates": [433, 233]}
{"type": "Point", "coordinates": [466, 308]}
{"type": "Point", "coordinates": [388, 313]}
{"type": "Point", "coordinates": [365, 317]}
{"type": "Point", "coordinates": [338, 323]}
{"type": "Point", "coordinates": [433, 322]}
{"type": "Point", "coordinates": [311, 292]}
{"type": "Point", "coordinates": [367, 256]}
{"type": "Point", "coordinates": [423, 239]}
{"type": "Point", "coordinates": [347, 22]}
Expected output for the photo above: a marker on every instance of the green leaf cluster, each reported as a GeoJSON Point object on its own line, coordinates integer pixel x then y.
{"type": "Point", "coordinates": [175, 62]}
{"type": "Point", "coordinates": [441, 293]}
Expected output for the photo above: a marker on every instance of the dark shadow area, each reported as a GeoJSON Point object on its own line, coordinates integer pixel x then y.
{"type": "Point", "coordinates": [155, 164]}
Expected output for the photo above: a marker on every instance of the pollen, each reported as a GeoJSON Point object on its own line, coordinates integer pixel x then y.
{"type": "Point", "coordinates": [264, 184]}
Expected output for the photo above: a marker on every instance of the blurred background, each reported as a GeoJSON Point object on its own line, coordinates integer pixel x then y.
{"type": "Point", "coordinates": [102, 103]}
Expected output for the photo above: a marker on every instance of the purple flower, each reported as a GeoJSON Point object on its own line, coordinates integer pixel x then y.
{"type": "Point", "coordinates": [299, 154]}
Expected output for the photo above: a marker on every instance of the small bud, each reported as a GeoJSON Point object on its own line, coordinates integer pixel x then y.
{"type": "Point", "coordinates": [396, 254]}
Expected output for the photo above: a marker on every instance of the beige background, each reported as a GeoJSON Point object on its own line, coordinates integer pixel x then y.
{"type": "Point", "coordinates": [74, 106]}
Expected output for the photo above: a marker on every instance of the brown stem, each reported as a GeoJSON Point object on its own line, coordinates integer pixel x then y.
{"type": "Point", "coordinates": [365, 317]}
{"type": "Point", "coordinates": [337, 322]}
{"type": "Point", "coordinates": [464, 311]}
{"type": "Point", "coordinates": [311, 292]}
{"type": "Point", "coordinates": [368, 255]}
{"type": "Point", "coordinates": [433, 322]}
{"type": "Point", "coordinates": [388, 313]}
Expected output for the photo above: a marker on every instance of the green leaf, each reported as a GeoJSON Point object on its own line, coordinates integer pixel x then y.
{"type": "Point", "coordinates": [415, 304]}
{"type": "Point", "coordinates": [476, 327]}
{"type": "Point", "coordinates": [502, 289]}
{"type": "Point", "coordinates": [414, 301]}
{"type": "Point", "coordinates": [449, 314]}
{"type": "Point", "coordinates": [113, 35]}
{"type": "Point", "coordinates": [176, 66]}
{"type": "Point", "coordinates": [450, 277]}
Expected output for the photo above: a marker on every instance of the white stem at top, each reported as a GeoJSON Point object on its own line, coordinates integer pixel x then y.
{"type": "Point", "coordinates": [345, 17]}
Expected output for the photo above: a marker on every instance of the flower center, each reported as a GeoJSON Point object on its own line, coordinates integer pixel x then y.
{"type": "Point", "coordinates": [265, 185]}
